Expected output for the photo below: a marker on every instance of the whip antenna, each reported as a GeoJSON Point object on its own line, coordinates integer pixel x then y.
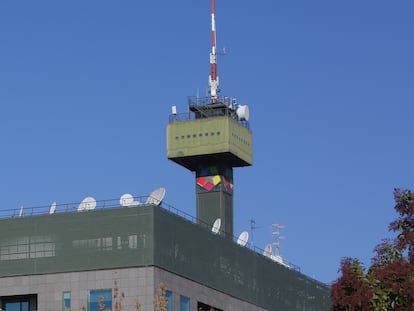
{"type": "Point", "coordinates": [213, 78]}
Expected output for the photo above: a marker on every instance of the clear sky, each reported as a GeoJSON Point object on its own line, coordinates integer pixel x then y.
{"type": "Point", "coordinates": [86, 88]}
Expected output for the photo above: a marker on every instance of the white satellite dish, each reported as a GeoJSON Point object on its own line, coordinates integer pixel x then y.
{"type": "Point", "coordinates": [268, 250]}
{"type": "Point", "coordinates": [88, 203]}
{"type": "Point", "coordinates": [243, 238]}
{"type": "Point", "coordinates": [21, 213]}
{"type": "Point", "coordinates": [156, 196]}
{"type": "Point", "coordinates": [52, 208]}
{"type": "Point", "coordinates": [243, 112]}
{"type": "Point", "coordinates": [277, 258]}
{"type": "Point", "coordinates": [216, 226]}
{"type": "Point", "coordinates": [127, 200]}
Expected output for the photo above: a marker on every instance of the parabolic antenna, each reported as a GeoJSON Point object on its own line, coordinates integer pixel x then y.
{"type": "Point", "coordinates": [156, 196]}
{"type": "Point", "coordinates": [268, 250]}
{"type": "Point", "coordinates": [216, 226]}
{"type": "Point", "coordinates": [243, 112]}
{"type": "Point", "coordinates": [277, 258]}
{"type": "Point", "coordinates": [126, 200]}
{"type": "Point", "coordinates": [243, 238]}
{"type": "Point", "coordinates": [88, 203]}
{"type": "Point", "coordinates": [52, 208]}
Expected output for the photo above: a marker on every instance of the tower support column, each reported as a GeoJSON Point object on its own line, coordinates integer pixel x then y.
{"type": "Point", "coordinates": [214, 195]}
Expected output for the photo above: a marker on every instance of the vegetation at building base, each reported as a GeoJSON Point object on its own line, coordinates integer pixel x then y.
{"type": "Point", "coordinates": [388, 284]}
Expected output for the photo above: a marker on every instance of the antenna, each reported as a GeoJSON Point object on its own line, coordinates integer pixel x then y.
{"type": "Point", "coordinates": [52, 208]}
{"type": "Point", "coordinates": [156, 196]}
{"type": "Point", "coordinates": [252, 227]}
{"type": "Point", "coordinates": [268, 250]}
{"type": "Point", "coordinates": [216, 226]}
{"type": "Point", "coordinates": [275, 230]}
{"type": "Point", "coordinates": [243, 238]}
{"type": "Point", "coordinates": [88, 203]}
{"type": "Point", "coordinates": [213, 78]}
{"type": "Point", "coordinates": [126, 200]}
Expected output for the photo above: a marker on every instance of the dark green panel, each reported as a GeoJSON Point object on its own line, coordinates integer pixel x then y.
{"type": "Point", "coordinates": [99, 239]}
{"type": "Point", "coordinates": [216, 204]}
{"type": "Point", "coordinates": [195, 253]}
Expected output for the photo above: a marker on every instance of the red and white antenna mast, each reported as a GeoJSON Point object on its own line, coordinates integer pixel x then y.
{"type": "Point", "coordinates": [213, 78]}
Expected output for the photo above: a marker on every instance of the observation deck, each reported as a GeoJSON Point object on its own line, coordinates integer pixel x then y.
{"type": "Point", "coordinates": [209, 134]}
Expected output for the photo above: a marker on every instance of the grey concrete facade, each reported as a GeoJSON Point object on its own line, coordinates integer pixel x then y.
{"type": "Point", "coordinates": [135, 283]}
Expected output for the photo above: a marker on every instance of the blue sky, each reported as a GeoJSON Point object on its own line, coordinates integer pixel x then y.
{"type": "Point", "coordinates": [86, 88]}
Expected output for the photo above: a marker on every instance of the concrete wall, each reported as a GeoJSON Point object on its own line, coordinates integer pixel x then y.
{"type": "Point", "coordinates": [199, 293]}
{"type": "Point", "coordinates": [135, 283]}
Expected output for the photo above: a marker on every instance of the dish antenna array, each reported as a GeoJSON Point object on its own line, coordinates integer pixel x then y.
{"type": "Point", "coordinates": [155, 198]}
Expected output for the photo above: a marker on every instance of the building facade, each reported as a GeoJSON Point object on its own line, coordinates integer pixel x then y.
{"type": "Point", "coordinates": [140, 258]}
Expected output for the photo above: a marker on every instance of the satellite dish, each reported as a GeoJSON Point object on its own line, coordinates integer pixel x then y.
{"type": "Point", "coordinates": [277, 258]}
{"type": "Point", "coordinates": [216, 226]}
{"type": "Point", "coordinates": [21, 213]}
{"type": "Point", "coordinates": [52, 209]}
{"type": "Point", "coordinates": [127, 200]}
{"type": "Point", "coordinates": [243, 237]}
{"type": "Point", "coordinates": [88, 203]}
{"type": "Point", "coordinates": [156, 196]}
{"type": "Point", "coordinates": [268, 250]}
{"type": "Point", "coordinates": [243, 112]}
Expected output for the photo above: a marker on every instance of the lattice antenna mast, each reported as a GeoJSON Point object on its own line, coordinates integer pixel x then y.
{"type": "Point", "coordinates": [213, 78]}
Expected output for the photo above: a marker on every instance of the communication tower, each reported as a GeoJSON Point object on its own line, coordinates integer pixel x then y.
{"type": "Point", "coordinates": [210, 139]}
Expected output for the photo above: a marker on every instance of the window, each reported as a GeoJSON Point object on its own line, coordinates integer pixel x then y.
{"type": "Point", "coordinates": [168, 295]}
{"type": "Point", "coordinates": [17, 306]}
{"type": "Point", "coordinates": [19, 303]}
{"type": "Point", "coordinates": [205, 307]}
{"type": "Point", "coordinates": [27, 247]}
{"type": "Point", "coordinates": [66, 301]}
{"type": "Point", "coordinates": [100, 299]}
{"type": "Point", "coordinates": [184, 303]}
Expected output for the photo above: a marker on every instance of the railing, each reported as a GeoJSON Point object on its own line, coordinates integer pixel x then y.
{"type": "Point", "coordinates": [115, 203]}
{"type": "Point", "coordinates": [202, 107]}
{"type": "Point", "coordinates": [62, 208]}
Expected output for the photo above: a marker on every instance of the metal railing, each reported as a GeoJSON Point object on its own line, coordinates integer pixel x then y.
{"type": "Point", "coordinates": [115, 203]}
{"type": "Point", "coordinates": [202, 107]}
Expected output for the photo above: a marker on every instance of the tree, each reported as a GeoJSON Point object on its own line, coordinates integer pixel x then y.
{"type": "Point", "coordinates": [389, 283]}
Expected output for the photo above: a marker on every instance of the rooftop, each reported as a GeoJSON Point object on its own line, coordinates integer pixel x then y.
{"type": "Point", "coordinates": [111, 236]}
{"type": "Point", "coordinates": [25, 212]}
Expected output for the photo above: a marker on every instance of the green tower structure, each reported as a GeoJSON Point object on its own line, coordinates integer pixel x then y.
{"type": "Point", "coordinates": [210, 139]}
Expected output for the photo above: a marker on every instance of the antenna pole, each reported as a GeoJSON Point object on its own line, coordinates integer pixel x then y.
{"type": "Point", "coordinates": [213, 78]}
